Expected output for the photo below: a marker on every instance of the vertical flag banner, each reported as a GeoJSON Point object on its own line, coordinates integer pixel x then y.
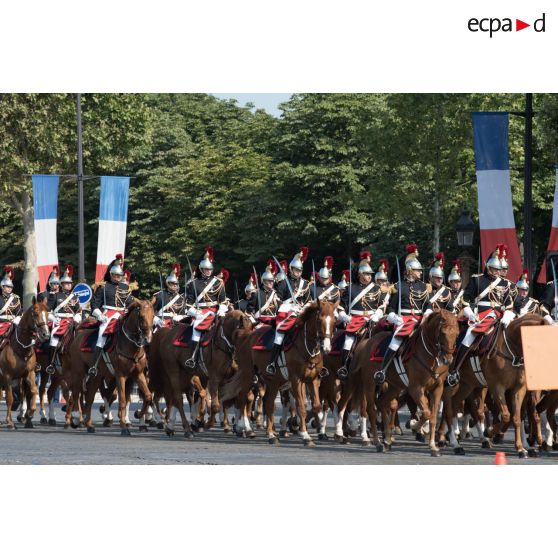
{"type": "Point", "coordinates": [113, 215]}
{"type": "Point", "coordinates": [553, 240]}
{"type": "Point", "coordinates": [45, 204]}
{"type": "Point", "coordinates": [497, 224]}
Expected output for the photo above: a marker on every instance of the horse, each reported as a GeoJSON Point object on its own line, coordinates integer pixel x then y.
{"type": "Point", "coordinates": [310, 336]}
{"type": "Point", "coordinates": [170, 376]}
{"type": "Point", "coordinates": [18, 361]}
{"type": "Point", "coordinates": [424, 374]}
{"type": "Point", "coordinates": [126, 354]}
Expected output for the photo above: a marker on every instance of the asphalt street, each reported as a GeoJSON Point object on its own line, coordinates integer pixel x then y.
{"type": "Point", "coordinates": [55, 445]}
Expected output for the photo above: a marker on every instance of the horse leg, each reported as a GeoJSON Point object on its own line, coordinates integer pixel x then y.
{"type": "Point", "coordinates": [141, 380]}
{"type": "Point", "coordinates": [479, 416]}
{"type": "Point", "coordinates": [42, 388]}
{"type": "Point", "coordinates": [499, 399]}
{"type": "Point", "coordinates": [269, 408]}
{"type": "Point", "coordinates": [9, 403]}
{"type": "Point", "coordinates": [92, 387]}
{"type": "Point", "coordinates": [122, 405]}
{"type": "Point", "coordinates": [419, 396]}
{"type": "Point", "coordinates": [317, 411]}
{"type": "Point", "coordinates": [31, 396]}
{"type": "Point", "coordinates": [436, 398]}
{"type": "Point", "coordinates": [213, 389]}
{"type": "Point", "coordinates": [54, 383]}
{"type": "Point", "coordinates": [299, 392]}
{"type": "Point", "coordinates": [520, 438]}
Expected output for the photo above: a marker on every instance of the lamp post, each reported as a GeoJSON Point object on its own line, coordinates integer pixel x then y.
{"type": "Point", "coordinates": [465, 229]}
{"type": "Point", "coordinates": [81, 228]}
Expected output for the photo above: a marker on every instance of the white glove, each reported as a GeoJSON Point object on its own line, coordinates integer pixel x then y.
{"type": "Point", "coordinates": [16, 320]}
{"type": "Point", "coordinates": [345, 318]}
{"type": "Point", "coordinates": [51, 317]}
{"type": "Point", "coordinates": [469, 314]}
{"type": "Point", "coordinates": [257, 315]}
{"type": "Point", "coordinates": [178, 317]}
{"type": "Point", "coordinates": [222, 310]}
{"type": "Point", "coordinates": [192, 312]}
{"type": "Point", "coordinates": [395, 319]}
{"type": "Point", "coordinates": [97, 313]}
{"type": "Point", "coordinates": [55, 321]}
{"type": "Point", "coordinates": [103, 319]}
{"type": "Point", "coordinates": [427, 312]}
{"type": "Point", "coordinates": [548, 319]}
{"type": "Point", "coordinates": [253, 320]}
{"type": "Point", "coordinates": [77, 318]}
{"type": "Point", "coordinates": [157, 322]}
{"type": "Point", "coordinates": [377, 315]}
{"type": "Point", "coordinates": [507, 317]}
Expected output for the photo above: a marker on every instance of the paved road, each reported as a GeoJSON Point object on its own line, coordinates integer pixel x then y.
{"type": "Point", "coordinates": [54, 445]}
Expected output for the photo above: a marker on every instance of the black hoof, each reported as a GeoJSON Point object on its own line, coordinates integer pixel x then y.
{"type": "Point", "coordinates": [273, 441]}
{"type": "Point", "coordinates": [420, 438]}
{"type": "Point", "coordinates": [137, 414]}
{"type": "Point", "coordinates": [19, 418]}
{"type": "Point", "coordinates": [11, 427]}
{"type": "Point", "coordinates": [125, 432]}
{"type": "Point", "coordinates": [498, 439]}
{"type": "Point", "coordinates": [545, 447]}
{"type": "Point", "coordinates": [241, 434]}
{"type": "Point", "coordinates": [63, 408]}
{"type": "Point", "coordinates": [74, 425]}
{"type": "Point", "coordinates": [380, 448]}
{"type": "Point", "coordinates": [227, 430]}
{"type": "Point", "coordinates": [143, 428]}
{"type": "Point", "coordinates": [486, 444]}
{"type": "Point", "coordinates": [522, 454]}
{"type": "Point", "coordinates": [28, 424]}
{"type": "Point", "coordinates": [107, 422]}
{"type": "Point", "coordinates": [160, 426]}
{"type": "Point", "coordinates": [458, 451]}
{"type": "Point", "coordinates": [52, 422]}
{"type": "Point", "coordinates": [408, 424]}
{"type": "Point", "coordinates": [435, 453]}
{"type": "Point", "coordinates": [532, 452]}
{"type": "Point", "coordinates": [346, 441]}
{"type": "Point", "coordinates": [91, 430]}
{"type": "Point", "coordinates": [188, 434]}
{"type": "Point", "coordinates": [251, 434]}
{"type": "Point", "coordinates": [338, 438]}
{"type": "Point", "coordinates": [366, 443]}
{"type": "Point", "coordinates": [309, 443]}
{"type": "Point", "coordinates": [323, 436]}
{"type": "Point", "coordinates": [101, 408]}
{"type": "Point", "coordinates": [352, 433]}
{"type": "Point", "coordinates": [43, 420]}
{"type": "Point", "coordinates": [442, 443]}
{"type": "Point", "coordinates": [284, 434]}
{"type": "Point", "coordinates": [555, 446]}
{"type": "Point", "coordinates": [66, 426]}
{"type": "Point", "coordinates": [169, 433]}
{"type": "Point", "coordinates": [152, 423]}
{"type": "Point", "coordinates": [387, 447]}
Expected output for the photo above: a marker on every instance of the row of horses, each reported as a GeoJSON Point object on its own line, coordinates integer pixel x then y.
{"type": "Point", "coordinates": [231, 373]}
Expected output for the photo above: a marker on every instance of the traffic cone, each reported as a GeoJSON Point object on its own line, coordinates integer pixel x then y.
{"type": "Point", "coordinates": [500, 458]}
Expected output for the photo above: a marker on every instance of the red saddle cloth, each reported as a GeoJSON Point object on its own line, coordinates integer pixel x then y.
{"type": "Point", "coordinates": [356, 323]}
{"type": "Point", "coordinates": [487, 319]}
{"type": "Point", "coordinates": [264, 341]}
{"type": "Point", "coordinates": [285, 321]}
{"type": "Point", "coordinates": [63, 327]}
{"type": "Point", "coordinates": [410, 322]}
{"type": "Point", "coordinates": [90, 340]}
{"type": "Point", "coordinates": [5, 328]}
{"type": "Point", "coordinates": [379, 348]}
{"type": "Point", "coordinates": [183, 337]}
{"type": "Point", "coordinates": [208, 320]}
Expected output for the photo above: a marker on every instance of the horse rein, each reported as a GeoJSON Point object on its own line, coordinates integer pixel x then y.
{"type": "Point", "coordinates": [439, 351]}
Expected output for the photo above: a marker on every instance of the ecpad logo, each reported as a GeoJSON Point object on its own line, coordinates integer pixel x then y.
{"type": "Point", "coordinates": [493, 25]}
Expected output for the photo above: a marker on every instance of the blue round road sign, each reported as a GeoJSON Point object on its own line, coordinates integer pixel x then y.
{"type": "Point", "coordinates": [83, 292]}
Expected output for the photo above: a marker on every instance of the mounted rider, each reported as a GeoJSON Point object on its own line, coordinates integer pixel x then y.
{"type": "Point", "coordinates": [380, 278]}
{"type": "Point", "coordinates": [364, 302]}
{"type": "Point", "coordinates": [325, 289]}
{"type": "Point", "coordinates": [207, 299]}
{"type": "Point", "coordinates": [343, 283]}
{"type": "Point", "coordinates": [408, 305]}
{"type": "Point", "coordinates": [502, 255]}
{"type": "Point", "coordinates": [455, 284]}
{"type": "Point", "coordinates": [249, 290]}
{"type": "Point", "coordinates": [264, 302]}
{"type": "Point", "coordinates": [10, 304]}
{"type": "Point", "coordinates": [486, 301]}
{"type": "Point", "coordinates": [282, 273]}
{"type": "Point", "coordinates": [169, 304]}
{"type": "Point", "coordinates": [64, 310]}
{"type": "Point", "coordinates": [48, 296]}
{"type": "Point", "coordinates": [440, 295]}
{"type": "Point", "coordinates": [109, 303]}
{"type": "Point", "coordinates": [549, 299]}
{"type": "Point", "coordinates": [294, 293]}
{"type": "Point", "coordinates": [523, 303]}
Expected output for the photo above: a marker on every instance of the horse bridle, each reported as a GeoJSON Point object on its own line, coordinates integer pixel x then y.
{"type": "Point", "coordinates": [440, 350]}
{"type": "Point", "coordinates": [142, 339]}
{"type": "Point", "coordinates": [516, 360]}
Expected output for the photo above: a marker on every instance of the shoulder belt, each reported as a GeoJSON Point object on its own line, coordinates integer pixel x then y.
{"type": "Point", "coordinates": [170, 303]}
{"type": "Point", "coordinates": [361, 294]}
{"type": "Point", "coordinates": [63, 303]}
{"type": "Point", "coordinates": [7, 305]}
{"type": "Point", "coordinates": [207, 288]}
{"type": "Point", "coordinates": [488, 289]}
{"type": "Point", "coordinates": [268, 301]}
{"type": "Point", "coordinates": [327, 291]}
{"type": "Point", "coordinates": [438, 294]}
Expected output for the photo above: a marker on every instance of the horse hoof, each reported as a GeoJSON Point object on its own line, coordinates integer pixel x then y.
{"type": "Point", "coordinates": [397, 431]}
{"type": "Point", "coordinates": [442, 443]}
{"type": "Point", "coordinates": [408, 424]}
{"type": "Point", "coordinates": [351, 433]}
{"type": "Point", "coordinates": [555, 446]}
{"type": "Point", "coordinates": [128, 424]}
{"type": "Point", "coordinates": [380, 448]}
{"type": "Point", "coordinates": [188, 434]}
{"type": "Point", "coordinates": [366, 443]}
{"type": "Point", "coordinates": [532, 452]}
{"type": "Point", "coordinates": [11, 427]}
{"type": "Point", "coordinates": [169, 433]}
{"type": "Point", "coordinates": [107, 422]}
{"type": "Point", "coordinates": [51, 422]}
{"type": "Point", "coordinates": [251, 434]}
{"type": "Point", "coordinates": [545, 447]}
{"type": "Point", "coordinates": [323, 436]}
{"type": "Point", "coordinates": [227, 430]}
{"type": "Point", "coordinates": [498, 439]}
{"type": "Point", "coordinates": [19, 418]}
{"type": "Point", "coordinates": [338, 438]}
{"type": "Point", "coordinates": [63, 408]}
{"type": "Point", "coordinates": [522, 454]}
{"type": "Point", "coordinates": [313, 423]}
{"type": "Point", "coordinates": [468, 436]}
{"type": "Point", "coordinates": [420, 438]}
{"type": "Point", "coordinates": [143, 428]}
{"type": "Point", "coordinates": [458, 451]}
{"type": "Point", "coordinates": [160, 426]}
{"type": "Point", "coordinates": [284, 434]}
{"type": "Point", "coordinates": [125, 432]}
{"type": "Point", "coordinates": [74, 425]}
{"type": "Point", "coordinates": [137, 414]}
{"type": "Point", "coordinates": [435, 453]}
{"type": "Point", "coordinates": [152, 423]}
{"type": "Point", "coordinates": [66, 426]}
{"type": "Point", "coordinates": [28, 424]}
{"type": "Point", "coordinates": [91, 430]}
{"type": "Point", "coordinates": [486, 444]}
{"type": "Point", "coordinates": [387, 447]}
{"type": "Point", "coordinates": [309, 443]}
{"type": "Point", "coordinates": [43, 420]}
{"type": "Point", "coordinates": [101, 408]}
{"type": "Point", "coordinates": [273, 441]}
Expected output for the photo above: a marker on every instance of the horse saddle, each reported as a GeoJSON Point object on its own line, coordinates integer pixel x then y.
{"type": "Point", "coordinates": [90, 340]}
{"type": "Point", "coordinates": [183, 337]}
{"type": "Point", "coordinates": [405, 352]}
{"type": "Point", "coordinates": [483, 343]}
{"type": "Point", "coordinates": [264, 341]}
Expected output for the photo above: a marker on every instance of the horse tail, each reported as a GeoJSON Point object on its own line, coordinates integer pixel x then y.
{"type": "Point", "coordinates": [231, 388]}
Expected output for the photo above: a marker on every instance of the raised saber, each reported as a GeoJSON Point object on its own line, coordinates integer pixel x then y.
{"type": "Point", "coordinates": [350, 282]}
{"type": "Point", "coordinates": [288, 282]}
{"type": "Point", "coordinates": [314, 279]}
{"type": "Point", "coordinates": [399, 289]}
{"type": "Point", "coordinates": [257, 287]}
{"type": "Point", "coordinates": [162, 293]}
{"type": "Point", "coordinates": [193, 283]}
{"type": "Point", "coordinates": [236, 291]}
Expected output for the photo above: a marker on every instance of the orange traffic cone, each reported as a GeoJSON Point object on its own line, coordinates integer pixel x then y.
{"type": "Point", "coordinates": [500, 458]}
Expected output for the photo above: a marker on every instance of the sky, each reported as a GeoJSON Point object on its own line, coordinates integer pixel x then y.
{"type": "Point", "coordinates": [267, 101]}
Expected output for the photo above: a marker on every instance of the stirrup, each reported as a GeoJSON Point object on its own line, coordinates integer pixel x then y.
{"type": "Point", "coordinates": [50, 369]}
{"type": "Point", "coordinates": [270, 368]}
{"type": "Point", "coordinates": [92, 371]}
{"type": "Point", "coordinates": [324, 373]}
{"type": "Point", "coordinates": [342, 373]}
{"type": "Point", "coordinates": [190, 363]}
{"type": "Point", "coordinates": [452, 379]}
{"type": "Point", "coordinates": [379, 377]}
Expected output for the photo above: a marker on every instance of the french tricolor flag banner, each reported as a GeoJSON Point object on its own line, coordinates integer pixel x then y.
{"type": "Point", "coordinates": [113, 216]}
{"type": "Point", "coordinates": [553, 240]}
{"type": "Point", "coordinates": [45, 204]}
{"type": "Point", "coordinates": [497, 224]}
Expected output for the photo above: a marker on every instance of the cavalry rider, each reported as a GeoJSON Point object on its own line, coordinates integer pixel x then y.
{"type": "Point", "coordinates": [549, 299]}
{"type": "Point", "coordinates": [454, 280]}
{"type": "Point", "coordinates": [282, 272]}
{"type": "Point", "coordinates": [415, 305]}
{"type": "Point", "coordinates": [502, 253]}
{"type": "Point", "coordinates": [440, 295]}
{"type": "Point", "coordinates": [325, 288]}
{"type": "Point", "coordinates": [109, 304]}
{"type": "Point", "coordinates": [486, 300]}
{"type": "Point", "coordinates": [169, 304]}
{"type": "Point", "coordinates": [52, 288]}
{"type": "Point", "coordinates": [249, 290]}
{"type": "Point", "coordinates": [206, 297]}
{"type": "Point", "coordinates": [343, 283]}
{"type": "Point", "coordinates": [294, 293]}
{"type": "Point", "coordinates": [381, 278]}
{"type": "Point", "coordinates": [64, 309]}
{"type": "Point", "coordinates": [10, 303]}
{"type": "Point", "coordinates": [363, 302]}
{"type": "Point", "coordinates": [523, 303]}
{"type": "Point", "coordinates": [264, 303]}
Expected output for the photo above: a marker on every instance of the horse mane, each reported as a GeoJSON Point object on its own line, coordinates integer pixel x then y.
{"type": "Point", "coordinates": [529, 319]}
{"type": "Point", "coordinates": [308, 312]}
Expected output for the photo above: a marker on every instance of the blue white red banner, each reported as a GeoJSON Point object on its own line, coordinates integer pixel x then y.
{"type": "Point", "coordinates": [113, 216]}
{"type": "Point", "coordinates": [553, 240]}
{"type": "Point", "coordinates": [45, 204]}
{"type": "Point", "coordinates": [497, 224]}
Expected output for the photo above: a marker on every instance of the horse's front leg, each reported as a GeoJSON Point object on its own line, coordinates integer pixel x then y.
{"type": "Point", "coordinates": [436, 398]}
{"type": "Point", "coordinates": [299, 394]}
{"type": "Point", "coordinates": [30, 395]}
{"type": "Point", "coordinates": [122, 404]}
{"type": "Point", "coordinates": [517, 402]}
{"type": "Point", "coordinates": [147, 399]}
{"type": "Point", "coordinates": [9, 403]}
{"type": "Point", "coordinates": [419, 396]}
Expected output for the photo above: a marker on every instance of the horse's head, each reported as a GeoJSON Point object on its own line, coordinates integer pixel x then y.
{"type": "Point", "coordinates": [442, 330]}
{"type": "Point", "coordinates": [35, 319]}
{"type": "Point", "coordinates": [236, 320]}
{"type": "Point", "coordinates": [322, 313]}
{"type": "Point", "coordinates": [139, 320]}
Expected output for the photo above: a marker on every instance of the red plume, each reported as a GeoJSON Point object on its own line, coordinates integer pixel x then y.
{"type": "Point", "coordinates": [8, 270]}
{"type": "Point", "coordinates": [57, 269]}
{"type": "Point", "coordinates": [525, 274]}
{"type": "Point", "coordinates": [440, 257]}
{"type": "Point", "coordinates": [411, 248]}
{"type": "Point", "coordinates": [457, 265]}
{"type": "Point", "coordinates": [385, 263]}
{"type": "Point", "coordinates": [210, 254]}
{"type": "Point", "coordinates": [272, 265]}
{"type": "Point", "coordinates": [253, 279]}
{"type": "Point", "coordinates": [346, 274]}
{"type": "Point", "coordinates": [328, 262]}
{"type": "Point", "coordinates": [303, 253]}
{"type": "Point", "coordinates": [119, 257]}
{"type": "Point", "coordinates": [285, 265]}
{"type": "Point", "coordinates": [128, 274]}
{"type": "Point", "coordinates": [70, 270]}
{"type": "Point", "coordinates": [365, 255]}
{"type": "Point", "coordinates": [176, 267]}
{"type": "Point", "coordinates": [225, 274]}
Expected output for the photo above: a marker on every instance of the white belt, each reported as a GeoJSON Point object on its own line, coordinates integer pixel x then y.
{"type": "Point", "coordinates": [6, 319]}
{"type": "Point", "coordinates": [489, 304]}
{"type": "Point", "coordinates": [171, 315]}
{"type": "Point", "coordinates": [362, 312]}
{"type": "Point", "coordinates": [114, 308]}
{"type": "Point", "coordinates": [208, 304]}
{"type": "Point", "coordinates": [63, 315]}
{"type": "Point", "coordinates": [415, 312]}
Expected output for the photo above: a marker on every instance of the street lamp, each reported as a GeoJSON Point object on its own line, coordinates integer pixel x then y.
{"type": "Point", "coordinates": [465, 229]}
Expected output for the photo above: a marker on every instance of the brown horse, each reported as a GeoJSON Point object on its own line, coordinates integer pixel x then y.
{"type": "Point", "coordinates": [312, 331]}
{"type": "Point", "coordinates": [133, 333]}
{"type": "Point", "coordinates": [505, 374]}
{"type": "Point", "coordinates": [18, 361]}
{"type": "Point", "coordinates": [426, 371]}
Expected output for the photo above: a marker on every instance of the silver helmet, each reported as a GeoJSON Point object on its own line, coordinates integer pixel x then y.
{"type": "Point", "coordinates": [365, 258]}
{"type": "Point", "coordinates": [381, 274]}
{"type": "Point", "coordinates": [8, 276]}
{"type": "Point", "coordinates": [282, 273]}
{"type": "Point", "coordinates": [523, 282]}
{"type": "Point", "coordinates": [455, 274]}
{"type": "Point", "coordinates": [68, 274]}
{"type": "Point", "coordinates": [325, 272]}
{"type": "Point", "coordinates": [117, 265]}
{"type": "Point", "coordinates": [173, 276]}
{"type": "Point", "coordinates": [269, 273]}
{"type": "Point", "coordinates": [437, 269]}
{"type": "Point", "coordinates": [299, 258]}
{"type": "Point", "coordinates": [251, 285]}
{"type": "Point", "coordinates": [207, 262]}
{"type": "Point", "coordinates": [494, 261]}
{"type": "Point", "coordinates": [53, 278]}
{"type": "Point", "coordinates": [344, 276]}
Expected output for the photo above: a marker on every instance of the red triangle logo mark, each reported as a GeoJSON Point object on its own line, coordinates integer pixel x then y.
{"type": "Point", "coordinates": [519, 25]}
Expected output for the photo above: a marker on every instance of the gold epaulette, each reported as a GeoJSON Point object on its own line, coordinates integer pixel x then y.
{"type": "Point", "coordinates": [550, 282]}
{"type": "Point", "coordinates": [95, 286]}
{"type": "Point", "coordinates": [134, 285]}
{"type": "Point", "coordinates": [428, 288]}
{"type": "Point", "coordinates": [386, 289]}
{"type": "Point", "coordinates": [477, 275]}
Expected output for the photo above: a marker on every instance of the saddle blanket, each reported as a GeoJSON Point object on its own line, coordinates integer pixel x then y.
{"type": "Point", "coordinates": [266, 335]}
{"type": "Point", "coordinates": [183, 337]}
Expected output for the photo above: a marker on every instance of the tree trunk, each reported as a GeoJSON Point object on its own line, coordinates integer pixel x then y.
{"type": "Point", "coordinates": [31, 275]}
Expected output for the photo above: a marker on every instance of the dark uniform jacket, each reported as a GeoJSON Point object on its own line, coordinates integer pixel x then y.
{"type": "Point", "coordinates": [456, 301]}
{"type": "Point", "coordinates": [55, 299]}
{"type": "Point", "coordinates": [162, 299]}
{"type": "Point", "coordinates": [444, 300]}
{"type": "Point", "coordinates": [498, 296]}
{"type": "Point", "coordinates": [371, 301]}
{"type": "Point", "coordinates": [14, 309]}
{"type": "Point", "coordinates": [525, 304]}
{"type": "Point", "coordinates": [415, 298]}
{"type": "Point", "coordinates": [112, 295]}
{"type": "Point", "coordinates": [212, 297]}
{"type": "Point", "coordinates": [300, 288]}
{"type": "Point", "coordinates": [330, 293]}
{"type": "Point", "coordinates": [260, 298]}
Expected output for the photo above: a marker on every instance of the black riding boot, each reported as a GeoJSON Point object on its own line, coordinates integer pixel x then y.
{"type": "Point", "coordinates": [193, 360]}
{"type": "Point", "coordinates": [274, 354]}
{"type": "Point", "coordinates": [343, 372]}
{"type": "Point", "coordinates": [96, 357]}
{"type": "Point", "coordinates": [453, 376]}
{"type": "Point", "coordinates": [50, 369]}
{"type": "Point", "coordinates": [380, 375]}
